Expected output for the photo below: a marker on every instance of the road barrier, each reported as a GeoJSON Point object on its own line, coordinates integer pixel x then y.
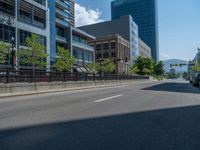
{"type": "Point", "coordinates": [30, 75]}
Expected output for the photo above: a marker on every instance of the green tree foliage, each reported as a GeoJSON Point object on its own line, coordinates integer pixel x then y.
{"type": "Point", "coordinates": [107, 66]}
{"type": "Point", "coordinates": [143, 66]}
{"type": "Point", "coordinates": [93, 67]}
{"type": "Point", "coordinates": [158, 68]}
{"type": "Point", "coordinates": [173, 75]}
{"type": "Point", "coordinates": [185, 75]}
{"type": "Point", "coordinates": [3, 52]}
{"type": "Point", "coordinates": [146, 66]}
{"type": "Point", "coordinates": [196, 68]}
{"type": "Point", "coordinates": [64, 60]}
{"type": "Point", "coordinates": [35, 54]}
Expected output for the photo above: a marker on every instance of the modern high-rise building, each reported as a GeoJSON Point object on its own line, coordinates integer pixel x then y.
{"type": "Point", "coordinates": [144, 13]}
{"type": "Point", "coordinates": [52, 20]}
{"type": "Point", "coordinates": [64, 34]}
{"type": "Point", "coordinates": [60, 20]}
{"type": "Point", "coordinates": [20, 18]}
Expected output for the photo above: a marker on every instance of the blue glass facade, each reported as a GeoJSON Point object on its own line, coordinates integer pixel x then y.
{"type": "Point", "coordinates": [59, 22]}
{"type": "Point", "coordinates": [144, 13]}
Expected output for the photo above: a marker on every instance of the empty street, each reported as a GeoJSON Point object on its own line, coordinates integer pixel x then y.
{"type": "Point", "coordinates": [140, 116]}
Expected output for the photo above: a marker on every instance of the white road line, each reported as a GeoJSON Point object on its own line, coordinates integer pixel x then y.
{"type": "Point", "coordinates": [108, 98]}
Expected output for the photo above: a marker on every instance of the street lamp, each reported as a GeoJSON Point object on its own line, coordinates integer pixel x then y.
{"type": "Point", "coordinates": [13, 51]}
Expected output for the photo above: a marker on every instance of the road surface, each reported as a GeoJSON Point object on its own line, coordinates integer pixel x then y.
{"type": "Point", "coordinates": [141, 116]}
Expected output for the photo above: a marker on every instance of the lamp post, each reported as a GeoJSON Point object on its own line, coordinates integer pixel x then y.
{"type": "Point", "coordinates": [13, 51]}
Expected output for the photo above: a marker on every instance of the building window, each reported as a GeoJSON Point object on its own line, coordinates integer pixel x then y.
{"type": "Point", "coordinates": [25, 34]}
{"type": "Point", "coordinates": [98, 47]}
{"type": "Point", "coordinates": [105, 46]}
{"type": "Point", "coordinates": [88, 56]}
{"type": "Point", "coordinates": [60, 31]}
{"type": "Point", "coordinates": [6, 32]}
{"type": "Point", "coordinates": [105, 55]}
{"type": "Point", "coordinates": [113, 54]}
{"type": "Point", "coordinates": [76, 38]}
{"type": "Point", "coordinates": [25, 16]}
{"type": "Point", "coordinates": [98, 56]}
{"type": "Point", "coordinates": [7, 8]}
{"type": "Point", "coordinates": [42, 2]}
{"type": "Point", "coordinates": [78, 54]}
{"type": "Point", "coordinates": [113, 45]}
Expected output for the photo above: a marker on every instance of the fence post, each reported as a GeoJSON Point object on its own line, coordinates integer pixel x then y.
{"type": "Point", "coordinates": [94, 78]}
{"type": "Point", "coordinates": [86, 76]}
{"type": "Point", "coordinates": [76, 76]}
{"type": "Point", "coordinates": [49, 76]}
{"type": "Point", "coordinates": [7, 75]}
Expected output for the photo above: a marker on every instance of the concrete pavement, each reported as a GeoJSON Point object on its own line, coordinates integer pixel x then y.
{"type": "Point", "coordinates": [142, 116]}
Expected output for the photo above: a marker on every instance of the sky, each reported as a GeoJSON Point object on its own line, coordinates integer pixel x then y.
{"type": "Point", "coordinates": [179, 24]}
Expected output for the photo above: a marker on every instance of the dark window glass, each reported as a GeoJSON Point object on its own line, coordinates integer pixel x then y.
{"type": "Point", "coordinates": [105, 55]}
{"type": "Point", "coordinates": [25, 34]}
{"type": "Point", "coordinates": [6, 33]}
{"type": "Point", "coordinates": [98, 56]}
{"type": "Point", "coordinates": [113, 54]}
{"type": "Point", "coordinates": [6, 8]}
{"type": "Point", "coordinates": [113, 45]}
{"type": "Point", "coordinates": [98, 47]}
{"type": "Point", "coordinates": [105, 46]}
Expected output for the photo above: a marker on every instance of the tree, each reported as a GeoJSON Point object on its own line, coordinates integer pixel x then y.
{"type": "Point", "coordinates": [34, 55]}
{"type": "Point", "coordinates": [143, 66]}
{"type": "Point", "coordinates": [196, 68]}
{"type": "Point", "coordinates": [3, 52]}
{"type": "Point", "coordinates": [172, 74]}
{"type": "Point", "coordinates": [185, 75]}
{"type": "Point", "coordinates": [107, 66]}
{"type": "Point", "coordinates": [93, 67]}
{"type": "Point", "coordinates": [158, 68]}
{"type": "Point", "coordinates": [64, 60]}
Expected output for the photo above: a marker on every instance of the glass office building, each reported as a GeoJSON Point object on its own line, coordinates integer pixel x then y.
{"type": "Point", "coordinates": [64, 34]}
{"type": "Point", "coordinates": [52, 20]}
{"type": "Point", "coordinates": [19, 19]}
{"type": "Point", "coordinates": [60, 20]}
{"type": "Point", "coordinates": [144, 13]}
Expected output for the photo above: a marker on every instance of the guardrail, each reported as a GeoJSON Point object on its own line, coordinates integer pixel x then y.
{"type": "Point", "coordinates": [17, 75]}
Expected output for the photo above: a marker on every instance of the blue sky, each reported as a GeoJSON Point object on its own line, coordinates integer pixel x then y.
{"type": "Point", "coordinates": [179, 25]}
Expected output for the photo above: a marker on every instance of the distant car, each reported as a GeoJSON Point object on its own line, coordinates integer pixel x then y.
{"type": "Point", "coordinates": [196, 80]}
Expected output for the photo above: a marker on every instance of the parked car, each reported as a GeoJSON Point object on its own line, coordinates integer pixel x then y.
{"type": "Point", "coordinates": [193, 75]}
{"type": "Point", "coordinates": [196, 80]}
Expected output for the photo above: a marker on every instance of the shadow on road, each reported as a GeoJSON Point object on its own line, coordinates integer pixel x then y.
{"type": "Point", "coordinates": [180, 87]}
{"type": "Point", "coordinates": [167, 129]}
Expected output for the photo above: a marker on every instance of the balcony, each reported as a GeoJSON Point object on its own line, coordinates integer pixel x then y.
{"type": "Point", "coordinates": [38, 3]}
{"type": "Point", "coordinates": [32, 22]}
{"type": "Point", "coordinates": [62, 22]}
{"type": "Point", "coordinates": [6, 19]}
{"type": "Point", "coordinates": [82, 45]}
{"type": "Point", "coordinates": [64, 14]}
{"type": "Point", "coordinates": [42, 2]}
{"type": "Point", "coordinates": [63, 4]}
{"type": "Point", "coordinates": [61, 39]}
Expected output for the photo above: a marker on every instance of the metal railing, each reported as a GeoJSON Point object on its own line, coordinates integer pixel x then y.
{"type": "Point", "coordinates": [17, 75]}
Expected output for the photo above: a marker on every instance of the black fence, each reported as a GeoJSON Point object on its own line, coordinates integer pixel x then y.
{"type": "Point", "coordinates": [9, 75]}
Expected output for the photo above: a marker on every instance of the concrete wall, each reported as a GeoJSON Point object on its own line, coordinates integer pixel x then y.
{"type": "Point", "coordinates": [33, 88]}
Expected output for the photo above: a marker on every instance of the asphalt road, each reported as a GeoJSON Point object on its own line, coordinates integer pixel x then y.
{"type": "Point", "coordinates": [141, 116]}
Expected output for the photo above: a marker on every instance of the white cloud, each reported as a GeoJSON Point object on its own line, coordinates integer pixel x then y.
{"type": "Point", "coordinates": [164, 56]}
{"type": "Point", "coordinates": [84, 16]}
